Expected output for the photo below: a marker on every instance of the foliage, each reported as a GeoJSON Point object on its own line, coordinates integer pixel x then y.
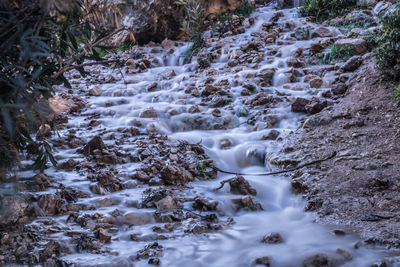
{"type": "Point", "coordinates": [388, 44]}
{"type": "Point", "coordinates": [104, 51]}
{"type": "Point", "coordinates": [193, 25]}
{"type": "Point", "coordinates": [325, 9]}
{"type": "Point", "coordinates": [244, 10]}
{"type": "Point", "coordinates": [363, 23]}
{"type": "Point", "coordinates": [336, 52]}
{"type": "Point", "coordinates": [396, 90]}
{"type": "Point", "coordinates": [39, 41]}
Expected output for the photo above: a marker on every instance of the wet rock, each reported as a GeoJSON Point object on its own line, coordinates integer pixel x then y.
{"type": "Point", "coordinates": [152, 87]}
{"type": "Point", "coordinates": [103, 236]}
{"type": "Point", "coordinates": [42, 181]}
{"type": "Point", "coordinates": [241, 112]}
{"type": "Point", "coordinates": [108, 181]}
{"type": "Point", "coordinates": [194, 109]}
{"type": "Point", "coordinates": [87, 243]}
{"type": "Point", "coordinates": [316, 83]}
{"type": "Point", "coordinates": [357, 15]}
{"type": "Point", "coordinates": [12, 209]}
{"type": "Point", "coordinates": [130, 63]}
{"type": "Point", "coordinates": [142, 176]}
{"type": "Point", "coordinates": [166, 204]}
{"type": "Point", "coordinates": [204, 204]}
{"type": "Point", "coordinates": [358, 45]}
{"type": "Point", "coordinates": [219, 101]}
{"type": "Point", "coordinates": [339, 232]}
{"type": "Point", "coordinates": [153, 250]}
{"type": "Point", "coordinates": [302, 33]}
{"type": "Point", "coordinates": [298, 187]}
{"type": "Point", "coordinates": [246, 203]}
{"type": "Point", "coordinates": [295, 63]}
{"type": "Point", "coordinates": [260, 99]}
{"type": "Point", "coordinates": [339, 88]}
{"type": "Point", "coordinates": [266, 74]}
{"type": "Point", "coordinates": [148, 113]}
{"type": "Point", "coordinates": [352, 64]}
{"type": "Point", "coordinates": [95, 91]}
{"type": "Point", "coordinates": [175, 175]}
{"type": "Point", "coordinates": [204, 59]}
{"type": "Point", "coordinates": [318, 260]}
{"type": "Point", "coordinates": [344, 253]}
{"type": "Point", "coordinates": [272, 238]}
{"type": "Point", "coordinates": [209, 90]}
{"type": "Point", "coordinates": [272, 135]}
{"type": "Point", "coordinates": [44, 131]}
{"type": "Point", "coordinates": [299, 104]}
{"type": "Point", "coordinates": [315, 106]}
{"type": "Point", "coordinates": [52, 249]}
{"type": "Point", "coordinates": [167, 44]}
{"type": "Point", "coordinates": [137, 218]}
{"type": "Point", "coordinates": [321, 32]}
{"type": "Point", "coordinates": [51, 204]}
{"type": "Point", "coordinates": [240, 186]}
{"type": "Point", "coordinates": [95, 143]}
{"type": "Point", "coordinates": [264, 261]}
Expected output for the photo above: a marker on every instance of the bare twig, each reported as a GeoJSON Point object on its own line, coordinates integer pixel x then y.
{"type": "Point", "coordinates": [68, 63]}
{"type": "Point", "coordinates": [273, 173]}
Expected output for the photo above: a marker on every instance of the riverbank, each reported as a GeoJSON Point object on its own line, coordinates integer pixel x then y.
{"type": "Point", "coordinates": [359, 187]}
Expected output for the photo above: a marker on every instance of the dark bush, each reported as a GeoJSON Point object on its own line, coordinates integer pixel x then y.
{"type": "Point", "coordinates": [388, 44]}
{"type": "Point", "coordinates": [39, 40]}
{"type": "Point", "coordinates": [325, 9]}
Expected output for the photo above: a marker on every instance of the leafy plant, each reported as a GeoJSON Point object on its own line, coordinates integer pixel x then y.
{"type": "Point", "coordinates": [335, 52]}
{"type": "Point", "coordinates": [364, 23]}
{"type": "Point", "coordinates": [40, 40]}
{"type": "Point", "coordinates": [387, 51]}
{"type": "Point", "coordinates": [193, 25]}
{"type": "Point", "coordinates": [244, 10]}
{"type": "Point", "coordinates": [325, 9]}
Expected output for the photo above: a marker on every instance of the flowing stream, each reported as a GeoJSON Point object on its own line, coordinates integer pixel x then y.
{"type": "Point", "coordinates": [231, 142]}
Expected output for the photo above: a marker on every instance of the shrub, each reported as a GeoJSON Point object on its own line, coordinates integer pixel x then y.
{"type": "Point", "coordinates": [336, 52]}
{"type": "Point", "coordinates": [244, 9]}
{"type": "Point", "coordinates": [325, 9]}
{"type": "Point", "coordinates": [193, 24]}
{"type": "Point", "coordinates": [388, 44]}
{"type": "Point", "coordinates": [39, 41]}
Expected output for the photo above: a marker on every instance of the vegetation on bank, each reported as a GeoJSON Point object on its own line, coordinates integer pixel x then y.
{"type": "Point", "coordinates": [194, 23]}
{"type": "Point", "coordinates": [387, 51]}
{"type": "Point", "coordinates": [326, 9]}
{"type": "Point", "coordinates": [40, 40]}
{"type": "Point", "coordinates": [336, 52]}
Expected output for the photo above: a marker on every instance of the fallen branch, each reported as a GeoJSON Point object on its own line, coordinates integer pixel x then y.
{"type": "Point", "coordinates": [273, 173]}
{"type": "Point", "coordinates": [69, 63]}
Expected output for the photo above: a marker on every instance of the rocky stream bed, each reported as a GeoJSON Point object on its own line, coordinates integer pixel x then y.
{"type": "Point", "coordinates": [136, 182]}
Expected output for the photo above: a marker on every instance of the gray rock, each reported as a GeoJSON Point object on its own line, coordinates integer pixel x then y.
{"type": "Point", "coordinates": [13, 208]}
{"type": "Point", "coordinates": [352, 64]}
{"type": "Point", "coordinates": [137, 218]}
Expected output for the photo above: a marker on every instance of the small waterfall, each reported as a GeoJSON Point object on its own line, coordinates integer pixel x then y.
{"type": "Point", "coordinates": [296, 3]}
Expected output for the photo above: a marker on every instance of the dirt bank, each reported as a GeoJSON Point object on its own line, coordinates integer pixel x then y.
{"type": "Point", "coordinates": [359, 187]}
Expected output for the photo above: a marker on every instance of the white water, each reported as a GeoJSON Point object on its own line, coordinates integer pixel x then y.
{"type": "Point", "coordinates": [239, 244]}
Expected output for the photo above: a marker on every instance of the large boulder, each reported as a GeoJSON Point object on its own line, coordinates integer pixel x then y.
{"type": "Point", "coordinates": [12, 209]}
